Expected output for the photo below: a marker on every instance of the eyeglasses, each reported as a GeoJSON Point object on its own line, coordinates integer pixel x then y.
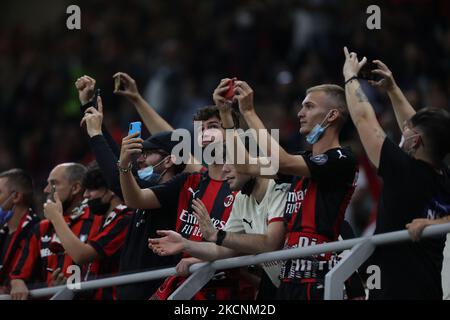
{"type": "Point", "coordinates": [145, 154]}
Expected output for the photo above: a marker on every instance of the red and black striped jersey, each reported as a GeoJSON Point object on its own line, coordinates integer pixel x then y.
{"type": "Point", "coordinates": [315, 209]}
{"type": "Point", "coordinates": [108, 242]}
{"type": "Point", "coordinates": [43, 253]}
{"type": "Point", "coordinates": [176, 198]}
{"type": "Point", "coordinates": [12, 244]}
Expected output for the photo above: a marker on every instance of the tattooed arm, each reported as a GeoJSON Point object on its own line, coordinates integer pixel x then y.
{"type": "Point", "coordinates": [370, 132]}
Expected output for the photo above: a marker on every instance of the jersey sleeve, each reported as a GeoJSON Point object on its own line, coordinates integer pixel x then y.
{"type": "Point", "coordinates": [28, 257]}
{"type": "Point", "coordinates": [111, 239]}
{"type": "Point", "coordinates": [234, 222]}
{"type": "Point", "coordinates": [334, 166]}
{"type": "Point", "coordinates": [277, 203]}
{"type": "Point", "coordinates": [167, 193]}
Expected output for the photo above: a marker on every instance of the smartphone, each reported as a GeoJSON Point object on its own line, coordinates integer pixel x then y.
{"type": "Point", "coordinates": [52, 192]}
{"type": "Point", "coordinates": [96, 95]}
{"type": "Point", "coordinates": [230, 93]}
{"type": "Point", "coordinates": [118, 85]}
{"type": "Point", "coordinates": [135, 127]}
{"type": "Point", "coordinates": [366, 72]}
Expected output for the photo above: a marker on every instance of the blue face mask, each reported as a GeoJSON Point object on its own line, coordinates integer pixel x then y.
{"type": "Point", "coordinates": [5, 215]}
{"type": "Point", "coordinates": [148, 175]}
{"type": "Point", "coordinates": [317, 131]}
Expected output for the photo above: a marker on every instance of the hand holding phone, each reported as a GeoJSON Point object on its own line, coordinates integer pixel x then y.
{"type": "Point", "coordinates": [135, 127]}
{"type": "Point", "coordinates": [52, 192]}
{"type": "Point", "coordinates": [366, 72]}
{"type": "Point", "coordinates": [230, 93]}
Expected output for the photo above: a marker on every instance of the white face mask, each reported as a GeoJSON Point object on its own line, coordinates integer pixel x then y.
{"type": "Point", "coordinates": [403, 140]}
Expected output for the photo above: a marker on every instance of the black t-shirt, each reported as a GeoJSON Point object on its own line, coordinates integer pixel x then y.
{"type": "Point", "coordinates": [412, 189]}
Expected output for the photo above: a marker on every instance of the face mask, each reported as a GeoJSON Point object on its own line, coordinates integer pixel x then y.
{"type": "Point", "coordinates": [147, 172]}
{"type": "Point", "coordinates": [317, 131]}
{"type": "Point", "coordinates": [403, 140]}
{"type": "Point", "coordinates": [5, 215]}
{"type": "Point", "coordinates": [98, 207]}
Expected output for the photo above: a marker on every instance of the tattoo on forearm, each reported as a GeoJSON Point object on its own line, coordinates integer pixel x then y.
{"type": "Point", "coordinates": [361, 95]}
{"type": "Point", "coordinates": [379, 133]}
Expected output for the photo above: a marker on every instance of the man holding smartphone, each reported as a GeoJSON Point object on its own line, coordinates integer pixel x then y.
{"type": "Point", "coordinates": [43, 255]}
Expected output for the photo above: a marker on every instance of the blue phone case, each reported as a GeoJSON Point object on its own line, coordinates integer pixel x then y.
{"type": "Point", "coordinates": [135, 127]}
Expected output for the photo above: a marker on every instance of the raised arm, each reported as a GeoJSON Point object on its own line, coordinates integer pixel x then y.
{"type": "Point", "coordinates": [370, 132]}
{"type": "Point", "coordinates": [133, 195]}
{"type": "Point", "coordinates": [152, 120]}
{"type": "Point", "coordinates": [402, 108]}
{"type": "Point", "coordinates": [287, 163]}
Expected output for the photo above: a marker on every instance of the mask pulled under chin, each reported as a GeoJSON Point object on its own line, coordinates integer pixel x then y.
{"type": "Point", "coordinates": [317, 131]}
{"type": "Point", "coordinates": [5, 215]}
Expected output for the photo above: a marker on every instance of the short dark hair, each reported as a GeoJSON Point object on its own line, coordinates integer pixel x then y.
{"type": "Point", "coordinates": [435, 125]}
{"type": "Point", "coordinates": [20, 181]}
{"type": "Point", "coordinates": [94, 179]}
{"type": "Point", "coordinates": [208, 112]}
{"type": "Point", "coordinates": [75, 172]}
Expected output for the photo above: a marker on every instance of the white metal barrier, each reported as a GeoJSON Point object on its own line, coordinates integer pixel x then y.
{"type": "Point", "coordinates": [201, 273]}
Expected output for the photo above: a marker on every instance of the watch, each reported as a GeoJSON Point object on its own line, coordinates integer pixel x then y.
{"type": "Point", "coordinates": [220, 237]}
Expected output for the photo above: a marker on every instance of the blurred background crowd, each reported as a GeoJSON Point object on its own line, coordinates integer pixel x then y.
{"type": "Point", "coordinates": [179, 50]}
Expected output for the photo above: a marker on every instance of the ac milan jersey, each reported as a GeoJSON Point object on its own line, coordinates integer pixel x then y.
{"type": "Point", "coordinates": [43, 253]}
{"type": "Point", "coordinates": [315, 210]}
{"type": "Point", "coordinates": [176, 198]}
{"type": "Point", "coordinates": [12, 244]}
{"type": "Point", "coordinates": [108, 242]}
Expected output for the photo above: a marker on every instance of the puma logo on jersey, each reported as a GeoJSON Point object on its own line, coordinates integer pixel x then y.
{"type": "Point", "coordinates": [341, 155]}
{"type": "Point", "coordinates": [193, 192]}
{"type": "Point", "coordinates": [248, 222]}
{"type": "Point", "coordinates": [46, 238]}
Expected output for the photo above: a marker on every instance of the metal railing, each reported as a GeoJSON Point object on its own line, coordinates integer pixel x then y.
{"type": "Point", "coordinates": [201, 273]}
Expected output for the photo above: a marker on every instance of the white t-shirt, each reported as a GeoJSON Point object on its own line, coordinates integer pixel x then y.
{"type": "Point", "coordinates": [249, 216]}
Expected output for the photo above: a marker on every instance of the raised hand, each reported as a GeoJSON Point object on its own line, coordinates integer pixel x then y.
{"type": "Point", "coordinates": [93, 119]}
{"type": "Point", "coordinates": [85, 86]}
{"type": "Point", "coordinates": [131, 145]}
{"type": "Point", "coordinates": [352, 65]}
{"type": "Point", "coordinates": [244, 96]}
{"type": "Point", "coordinates": [169, 244]}
{"type": "Point", "coordinates": [129, 90]}
{"type": "Point", "coordinates": [218, 95]}
{"type": "Point", "coordinates": [387, 82]}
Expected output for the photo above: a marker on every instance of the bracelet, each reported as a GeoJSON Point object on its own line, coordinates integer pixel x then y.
{"type": "Point", "coordinates": [220, 237]}
{"type": "Point", "coordinates": [352, 78]}
{"type": "Point", "coordinates": [124, 170]}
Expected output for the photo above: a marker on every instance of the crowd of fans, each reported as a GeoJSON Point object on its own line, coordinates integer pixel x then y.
{"type": "Point", "coordinates": [173, 60]}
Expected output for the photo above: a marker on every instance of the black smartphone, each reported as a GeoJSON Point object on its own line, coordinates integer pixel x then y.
{"type": "Point", "coordinates": [94, 101]}
{"type": "Point", "coordinates": [367, 74]}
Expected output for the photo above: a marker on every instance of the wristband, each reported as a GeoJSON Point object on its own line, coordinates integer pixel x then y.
{"type": "Point", "coordinates": [352, 78]}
